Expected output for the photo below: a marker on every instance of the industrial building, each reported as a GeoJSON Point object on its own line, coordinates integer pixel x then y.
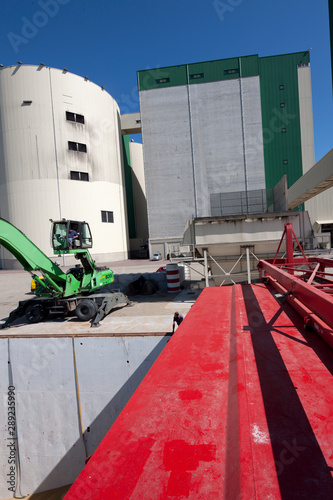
{"type": "Point", "coordinates": [219, 135]}
{"type": "Point", "coordinates": [61, 155]}
{"type": "Point", "coordinates": [212, 411]}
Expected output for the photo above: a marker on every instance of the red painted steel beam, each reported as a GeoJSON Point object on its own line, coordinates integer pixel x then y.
{"type": "Point", "coordinates": [310, 319]}
{"type": "Point", "coordinates": [236, 406]}
{"type": "Point", "coordinates": [317, 301]}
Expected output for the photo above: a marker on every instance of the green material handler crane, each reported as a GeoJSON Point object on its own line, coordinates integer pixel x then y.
{"type": "Point", "coordinates": [78, 290]}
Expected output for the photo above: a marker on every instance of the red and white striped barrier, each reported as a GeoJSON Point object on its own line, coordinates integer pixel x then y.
{"type": "Point", "coordinates": [173, 282]}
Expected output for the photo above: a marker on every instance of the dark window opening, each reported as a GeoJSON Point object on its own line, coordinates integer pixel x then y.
{"type": "Point", "coordinates": [77, 146]}
{"type": "Point", "coordinates": [281, 87]}
{"type": "Point", "coordinates": [197, 75]}
{"type": "Point", "coordinates": [283, 130]}
{"type": "Point", "coordinates": [70, 116]}
{"type": "Point", "coordinates": [79, 118]}
{"type": "Point", "coordinates": [285, 162]}
{"type": "Point", "coordinates": [74, 117]}
{"type": "Point", "coordinates": [163, 80]}
{"type": "Point", "coordinates": [79, 176]}
{"type": "Point", "coordinates": [231, 71]}
{"type": "Point", "coordinates": [107, 216]}
{"type": "Point", "coordinates": [282, 104]}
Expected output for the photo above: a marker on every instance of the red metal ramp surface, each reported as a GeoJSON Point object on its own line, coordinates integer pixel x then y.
{"type": "Point", "coordinates": [238, 405]}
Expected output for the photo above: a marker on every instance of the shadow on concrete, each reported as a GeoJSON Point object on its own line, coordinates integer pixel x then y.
{"type": "Point", "coordinates": [100, 426]}
{"type": "Point", "coordinates": [300, 464]}
{"type": "Point", "coordinates": [186, 295]}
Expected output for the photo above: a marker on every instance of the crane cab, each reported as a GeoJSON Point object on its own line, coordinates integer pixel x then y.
{"type": "Point", "coordinates": [68, 236]}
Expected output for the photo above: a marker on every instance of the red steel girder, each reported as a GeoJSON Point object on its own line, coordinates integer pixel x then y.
{"type": "Point", "coordinates": [317, 303]}
{"type": "Point", "coordinates": [236, 406]}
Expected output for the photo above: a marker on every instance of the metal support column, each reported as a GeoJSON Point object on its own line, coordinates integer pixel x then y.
{"type": "Point", "coordinates": [248, 265]}
{"type": "Point", "coordinates": [206, 267]}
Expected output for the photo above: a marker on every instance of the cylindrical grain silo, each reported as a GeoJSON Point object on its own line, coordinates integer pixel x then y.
{"type": "Point", "coordinates": [60, 157]}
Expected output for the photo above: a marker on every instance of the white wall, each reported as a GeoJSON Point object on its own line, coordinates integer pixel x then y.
{"type": "Point", "coordinates": [306, 117]}
{"type": "Point", "coordinates": [139, 192]}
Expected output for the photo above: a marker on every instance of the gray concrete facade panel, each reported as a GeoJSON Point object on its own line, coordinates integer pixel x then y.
{"type": "Point", "coordinates": [167, 160]}
{"type": "Point", "coordinates": [253, 136]}
{"type": "Point", "coordinates": [217, 140]}
{"type": "Point", "coordinates": [199, 140]}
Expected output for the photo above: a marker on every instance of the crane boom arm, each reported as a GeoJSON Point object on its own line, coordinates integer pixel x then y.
{"type": "Point", "coordinates": [27, 253]}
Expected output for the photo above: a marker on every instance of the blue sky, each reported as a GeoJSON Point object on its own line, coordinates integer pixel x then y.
{"type": "Point", "coordinates": [110, 40]}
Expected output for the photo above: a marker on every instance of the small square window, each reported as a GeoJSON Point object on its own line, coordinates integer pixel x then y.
{"type": "Point", "coordinates": [73, 117]}
{"type": "Point", "coordinates": [282, 104]}
{"type": "Point", "coordinates": [285, 162]}
{"type": "Point", "coordinates": [75, 176]}
{"type": "Point", "coordinates": [107, 216]}
{"type": "Point", "coordinates": [163, 80]}
{"type": "Point", "coordinates": [196, 75]}
{"type": "Point", "coordinates": [283, 130]}
{"type": "Point", "coordinates": [77, 146]}
{"type": "Point", "coordinates": [231, 71]}
{"type": "Point", "coordinates": [79, 176]}
{"type": "Point", "coordinates": [70, 116]}
{"type": "Point", "coordinates": [84, 176]}
{"type": "Point", "coordinates": [281, 87]}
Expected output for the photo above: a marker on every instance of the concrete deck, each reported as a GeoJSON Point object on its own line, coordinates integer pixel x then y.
{"type": "Point", "coordinates": [148, 314]}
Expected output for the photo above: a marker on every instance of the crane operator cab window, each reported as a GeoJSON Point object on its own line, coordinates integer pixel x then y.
{"type": "Point", "coordinates": [70, 235]}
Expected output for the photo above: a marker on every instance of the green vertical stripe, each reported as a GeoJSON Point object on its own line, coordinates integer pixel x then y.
{"type": "Point", "coordinates": [280, 110]}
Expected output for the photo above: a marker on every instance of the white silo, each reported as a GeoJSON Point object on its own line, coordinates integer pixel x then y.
{"type": "Point", "coordinates": [60, 157]}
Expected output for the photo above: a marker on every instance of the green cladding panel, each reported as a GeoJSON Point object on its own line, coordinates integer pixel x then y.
{"type": "Point", "coordinates": [162, 77]}
{"type": "Point", "coordinates": [203, 72]}
{"type": "Point", "coordinates": [281, 116]}
{"type": "Point", "coordinates": [128, 186]}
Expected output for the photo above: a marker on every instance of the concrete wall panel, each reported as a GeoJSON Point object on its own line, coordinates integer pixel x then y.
{"type": "Point", "coordinates": [52, 450]}
{"type": "Point", "coordinates": [167, 160]}
{"type": "Point", "coordinates": [5, 457]}
{"type": "Point", "coordinates": [47, 414]}
{"type": "Point", "coordinates": [109, 371]}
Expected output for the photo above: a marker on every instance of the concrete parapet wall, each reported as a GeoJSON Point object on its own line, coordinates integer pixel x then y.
{"type": "Point", "coordinates": [59, 383]}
